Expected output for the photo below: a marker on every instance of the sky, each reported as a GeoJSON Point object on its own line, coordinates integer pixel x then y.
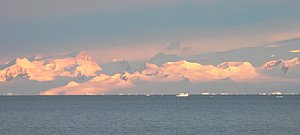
{"type": "Point", "coordinates": [136, 30]}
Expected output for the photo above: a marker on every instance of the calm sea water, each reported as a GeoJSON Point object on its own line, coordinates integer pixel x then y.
{"type": "Point", "coordinates": [154, 115]}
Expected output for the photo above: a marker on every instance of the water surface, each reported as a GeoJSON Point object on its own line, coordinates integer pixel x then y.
{"type": "Point", "coordinates": [162, 115]}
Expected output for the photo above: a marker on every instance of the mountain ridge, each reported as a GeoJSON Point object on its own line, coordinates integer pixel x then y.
{"type": "Point", "coordinates": [79, 73]}
{"type": "Point", "coordinates": [48, 69]}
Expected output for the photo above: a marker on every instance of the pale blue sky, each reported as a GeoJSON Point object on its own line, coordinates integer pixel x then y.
{"type": "Point", "coordinates": [54, 26]}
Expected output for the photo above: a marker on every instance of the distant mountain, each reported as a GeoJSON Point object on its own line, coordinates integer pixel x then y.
{"type": "Point", "coordinates": [162, 58]}
{"type": "Point", "coordinates": [286, 49]}
{"type": "Point", "coordinates": [15, 68]}
{"type": "Point", "coordinates": [195, 72]}
{"type": "Point", "coordinates": [11, 63]}
{"type": "Point", "coordinates": [252, 69]}
{"type": "Point", "coordinates": [284, 65]}
{"type": "Point", "coordinates": [255, 55]}
{"type": "Point", "coordinates": [47, 69]}
{"type": "Point", "coordinates": [288, 69]}
{"type": "Point", "coordinates": [116, 66]}
{"type": "Point", "coordinates": [180, 71]}
{"type": "Point", "coordinates": [169, 54]}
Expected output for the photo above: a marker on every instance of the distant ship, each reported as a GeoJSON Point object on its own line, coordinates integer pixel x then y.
{"type": "Point", "coordinates": [182, 95]}
{"type": "Point", "coordinates": [205, 93]}
{"type": "Point", "coordinates": [277, 93]}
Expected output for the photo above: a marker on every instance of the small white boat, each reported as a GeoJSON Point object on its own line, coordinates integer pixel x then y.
{"type": "Point", "coordinates": [182, 95]}
{"type": "Point", "coordinates": [277, 93]}
{"type": "Point", "coordinates": [205, 93]}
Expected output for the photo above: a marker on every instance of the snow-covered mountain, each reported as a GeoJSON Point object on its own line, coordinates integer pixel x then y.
{"type": "Point", "coordinates": [285, 69]}
{"type": "Point", "coordinates": [284, 65]}
{"type": "Point", "coordinates": [195, 72]}
{"type": "Point", "coordinates": [170, 72]}
{"type": "Point", "coordinates": [19, 68]}
{"type": "Point", "coordinates": [247, 70]}
{"type": "Point", "coordinates": [47, 69]}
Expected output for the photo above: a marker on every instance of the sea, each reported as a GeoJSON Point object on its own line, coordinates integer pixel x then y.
{"type": "Point", "coordinates": [150, 115]}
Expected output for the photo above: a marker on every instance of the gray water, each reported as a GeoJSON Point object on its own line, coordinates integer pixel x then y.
{"type": "Point", "coordinates": [154, 115]}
